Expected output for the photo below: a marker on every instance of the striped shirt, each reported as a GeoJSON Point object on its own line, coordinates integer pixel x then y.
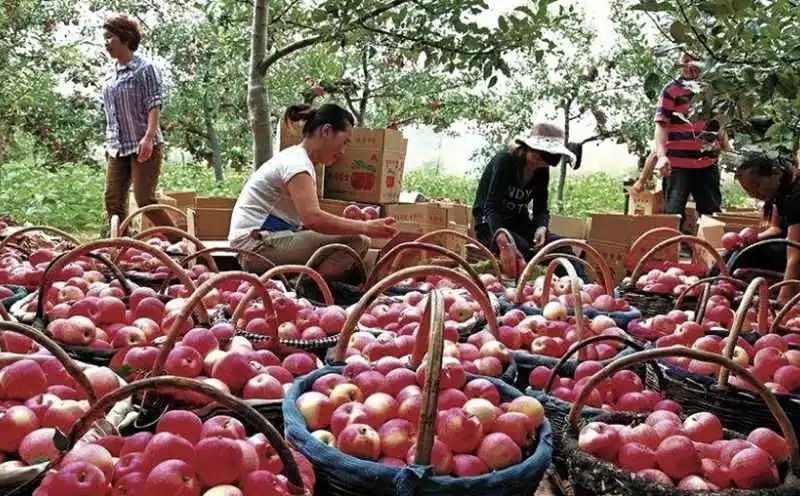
{"type": "Point", "coordinates": [686, 146]}
{"type": "Point", "coordinates": [130, 91]}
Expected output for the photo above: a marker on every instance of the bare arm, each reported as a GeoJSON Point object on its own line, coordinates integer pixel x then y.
{"type": "Point", "coordinates": [304, 197]}
{"type": "Point", "coordinates": [724, 141]}
{"type": "Point", "coordinates": [153, 118]}
{"type": "Point", "coordinates": [774, 228]}
{"type": "Point", "coordinates": [661, 135]}
{"type": "Point", "coordinates": [646, 174]}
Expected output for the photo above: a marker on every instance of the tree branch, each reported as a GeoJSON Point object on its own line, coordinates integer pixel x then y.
{"type": "Point", "coordinates": [365, 93]}
{"type": "Point", "coordinates": [284, 11]}
{"type": "Point", "coordinates": [429, 43]}
{"type": "Point", "coordinates": [286, 50]}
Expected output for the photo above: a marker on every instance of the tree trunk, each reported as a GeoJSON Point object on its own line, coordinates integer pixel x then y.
{"type": "Point", "coordinates": [258, 100]}
{"type": "Point", "coordinates": [213, 141]}
{"type": "Point", "coordinates": [562, 175]}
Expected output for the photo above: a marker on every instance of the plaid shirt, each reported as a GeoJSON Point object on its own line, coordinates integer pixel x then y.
{"type": "Point", "coordinates": [689, 146]}
{"type": "Point", "coordinates": [130, 91]}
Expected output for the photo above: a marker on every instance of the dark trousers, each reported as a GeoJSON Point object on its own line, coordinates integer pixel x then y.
{"type": "Point", "coordinates": [523, 232]}
{"type": "Point", "coordinates": [702, 184]}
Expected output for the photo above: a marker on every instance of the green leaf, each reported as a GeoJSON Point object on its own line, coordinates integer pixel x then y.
{"type": "Point", "coordinates": [680, 32]}
{"type": "Point", "coordinates": [492, 81]}
{"type": "Point", "coordinates": [652, 85]}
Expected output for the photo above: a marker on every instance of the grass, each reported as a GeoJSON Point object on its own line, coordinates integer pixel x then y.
{"type": "Point", "coordinates": [70, 197]}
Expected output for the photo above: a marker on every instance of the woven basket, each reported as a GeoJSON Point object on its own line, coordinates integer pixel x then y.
{"type": "Point", "coordinates": [346, 279]}
{"type": "Point", "coordinates": [649, 303]}
{"type": "Point", "coordinates": [16, 477]}
{"type": "Point", "coordinates": [39, 319]}
{"type": "Point", "coordinates": [336, 355]}
{"type": "Point", "coordinates": [702, 393]}
{"type": "Point", "coordinates": [340, 474]}
{"type": "Point", "coordinates": [557, 409]}
{"type": "Point", "coordinates": [592, 476]}
{"type": "Point", "coordinates": [87, 428]}
{"type": "Point", "coordinates": [527, 361]}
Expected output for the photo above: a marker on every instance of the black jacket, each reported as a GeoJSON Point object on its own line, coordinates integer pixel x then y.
{"type": "Point", "coordinates": [501, 201]}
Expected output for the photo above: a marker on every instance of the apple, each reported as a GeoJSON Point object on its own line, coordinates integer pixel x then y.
{"type": "Point", "coordinates": [498, 451]}
{"type": "Point", "coordinates": [656, 476]}
{"type": "Point", "coordinates": [460, 431]}
{"type": "Point", "coordinates": [635, 457]}
{"type": "Point", "coordinates": [64, 414]}
{"type": "Point", "coordinates": [78, 478]}
{"type": "Point", "coordinates": [167, 446]}
{"type": "Point", "coordinates": [22, 380]}
{"type": "Point", "coordinates": [184, 361]}
{"type": "Point", "coordinates": [219, 461]}
{"type": "Point", "coordinates": [38, 446]}
{"type": "Point", "coordinates": [172, 478]}
{"type": "Point", "coordinates": [703, 427]}
{"type": "Point", "coordinates": [441, 457]}
{"type": "Point", "coordinates": [752, 468]}
{"type": "Point", "coordinates": [468, 466]}
{"type": "Point", "coordinates": [201, 339]}
{"type": "Point", "coordinates": [263, 386]}
{"type": "Point", "coordinates": [716, 473]}
{"type": "Point", "coordinates": [16, 423]}
{"type": "Point", "coordinates": [103, 380]}
{"type": "Point", "coordinates": [770, 441]}
{"type": "Point", "coordinates": [381, 406]}
{"type": "Point", "coordinates": [181, 423]}
{"type": "Point", "coordinates": [531, 407]}
{"type": "Point", "coordinates": [518, 426]}
{"type": "Point", "coordinates": [92, 454]}
{"type": "Point", "coordinates": [223, 426]}
{"type": "Point", "coordinates": [351, 413]}
{"type": "Point", "coordinates": [316, 409]}
{"type": "Point", "coordinates": [135, 443]}
{"type": "Point", "coordinates": [359, 440]}
{"type": "Point", "coordinates": [234, 369]}
{"type": "Point", "coordinates": [600, 440]}
{"type": "Point", "coordinates": [677, 457]}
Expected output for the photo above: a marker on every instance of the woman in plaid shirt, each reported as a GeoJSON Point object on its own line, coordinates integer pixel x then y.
{"type": "Point", "coordinates": [132, 99]}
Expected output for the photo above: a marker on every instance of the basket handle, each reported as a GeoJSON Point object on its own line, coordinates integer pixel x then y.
{"type": "Point", "coordinates": [707, 281]}
{"type": "Point", "coordinates": [758, 284]}
{"type": "Point", "coordinates": [776, 322]}
{"type": "Point", "coordinates": [4, 315]}
{"type": "Point", "coordinates": [594, 339]}
{"type": "Point", "coordinates": [85, 249]}
{"type": "Point", "coordinates": [58, 353]}
{"type": "Point", "coordinates": [198, 245]}
{"type": "Point", "coordinates": [392, 254]}
{"type": "Point", "coordinates": [322, 252]}
{"type": "Point", "coordinates": [111, 266]}
{"type": "Point", "coordinates": [784, 283]}
{"type": "Point", "coordinates": [279, 271]}
{"type": "Point", "coordinates": [242, 409]}
{"type": "Point", "coordinates": [42, 229]}
{"type": "Point", "coordinates": [785, 424]}
{"type": "Point", "coordinates": [574, 259]}
{"type": "Point", "coordinates": [197, 298]}
{"type": "Point", "coordinates": [576, 291]}
{"type": "Point", "coordinates": [608, 280]}
{"type": "Point", "coordinates": [689, 240]}
{"type": "Point", "coordinates": [358, 310]}
{"type": "Point", "coordinates": [631, 257]}
{"type": "Point", "coordinates": [148, 208]}
{"type": "Point", "coordinates": [434, 318]}
{"type": "Point", "coordinates": [470, 240]}
{"type": "Point", "coordinates": [764, 242]}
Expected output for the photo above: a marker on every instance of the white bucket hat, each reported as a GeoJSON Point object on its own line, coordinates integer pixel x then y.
{"type": "Point", "coordinates": [548, 138]}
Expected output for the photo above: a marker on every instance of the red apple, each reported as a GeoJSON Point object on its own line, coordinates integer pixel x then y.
{"type": "Point", "coordinates": [181, 423]}
{"type": "Point", "coordinates": [359, 440]}
{"type": "Point", "coordinates": [677, 457]}
{"type": "Point", "coordinates": [172, 478]}
{"type": "Point", "coordinates": [599, 440]}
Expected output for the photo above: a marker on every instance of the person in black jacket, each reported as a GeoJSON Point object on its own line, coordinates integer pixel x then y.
{"type": "Point", "coordinates": [515, 178]}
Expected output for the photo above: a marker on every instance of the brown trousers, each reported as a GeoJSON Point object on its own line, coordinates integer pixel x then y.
{"type": "Point", "coordinates": [121, 172]}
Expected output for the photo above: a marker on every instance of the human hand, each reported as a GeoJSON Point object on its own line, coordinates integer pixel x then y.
{"type": "Point", "coordinates": [637, 187]}
{"type": "Point", "coordinates": [785, 295]}
{"type": "Point", "coordinates": [381, 228]}
{"type": "Point", "coordinates": [145, 149]}
{"type": "Point", "coordinates": [539, 236]}
{"type": "Point", "coordinates": [663, 166]}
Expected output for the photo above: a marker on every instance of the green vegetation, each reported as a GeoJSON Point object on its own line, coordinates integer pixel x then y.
{"type": "Point", "coordinates": [70, 197]}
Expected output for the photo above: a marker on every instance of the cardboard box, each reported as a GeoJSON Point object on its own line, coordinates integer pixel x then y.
{"type": "Point", "coordinates": [223, 202]}
{"type": "Point", "coordinates": [690, 222]}
{"type": "Point", "coordinates": [336, 207]}
{"type": "Point", "coordinates": [184, 198]}
{"type": "Point", "coordinates": [614, 255]}
{"type": "Point", "coordinates": [371, 169]}
{"type": "Point", "coordinates": [569, 227]}
{"type": "Point", "coordinates": [647, 203]}
{"type": "Point", "coordinates": [737, 222]}
{"type": "Point", "coordinates": [420, 218]}
{"type": "Point", "coordinates": [711, 230]}
{"type": "Point", "coordinates": [624, 229]}
{"type": "Point", "coordinates": [410, 232]}
{"type": "Point", "coordinates": [212, 223]}
{"type": "Point", "coordinates": [142, 222]}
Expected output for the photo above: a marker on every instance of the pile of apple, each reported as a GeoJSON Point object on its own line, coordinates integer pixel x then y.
{"type": "Point", "coordinates": [769, 359]}
{"type": "Point", "coordinates": [185, 457]}
{"type": "Point", "coordinates": [38, 397]}
{"type": "Point", "coordinates": [592, 295]}
{"type": "Point", "coordinates": [691, 454]}
{"type": "Point", "coordinates": [355, 212]}
{"type": "Point", "coordinates": [624, 391]}
{"type": "Point", "coordinates": [85, 311]}
{"type": "Point", "coordinates": [404, 316]}
{"type": "Point", "coordinates": [374, 415]}
{"type": "Point", "coordinates": [135, 260]}
{"type": "Point", "coordinates": [673, 282]}
{"type": "Point", "coordinates": [229, 363]}
{"type": "Point", "coordinates": [736, 241]}
{"type": "Point", "coordinates": [552, 333]}
{"type": "Point", "coordinates": [28, 271]}
{"type": "Point", "coordinates": [297, 318]}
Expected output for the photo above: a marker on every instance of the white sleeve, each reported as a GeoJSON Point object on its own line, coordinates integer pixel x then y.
{"type": "Point", "coordinates": [296, 163]}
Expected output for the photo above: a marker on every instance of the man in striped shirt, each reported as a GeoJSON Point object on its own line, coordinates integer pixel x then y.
{"type": "Point", "coordinates": [686, 149]}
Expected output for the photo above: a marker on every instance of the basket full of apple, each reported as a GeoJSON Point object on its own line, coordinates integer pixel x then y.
{"type": "Point", "coordinates": [702, 386]}
{"type": "Point", "coordinates": [655, 292]}
{"type": "Point", "coordinates": [181, 454]}
{"type": "Point", "coordinates": [662, 453]}
{"type": "Point", "coordinates": [25, 254]}
{"type": "Point", "coordinates": [428, 429]}
{"type": "Point", "coordinates": [597, 298]}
